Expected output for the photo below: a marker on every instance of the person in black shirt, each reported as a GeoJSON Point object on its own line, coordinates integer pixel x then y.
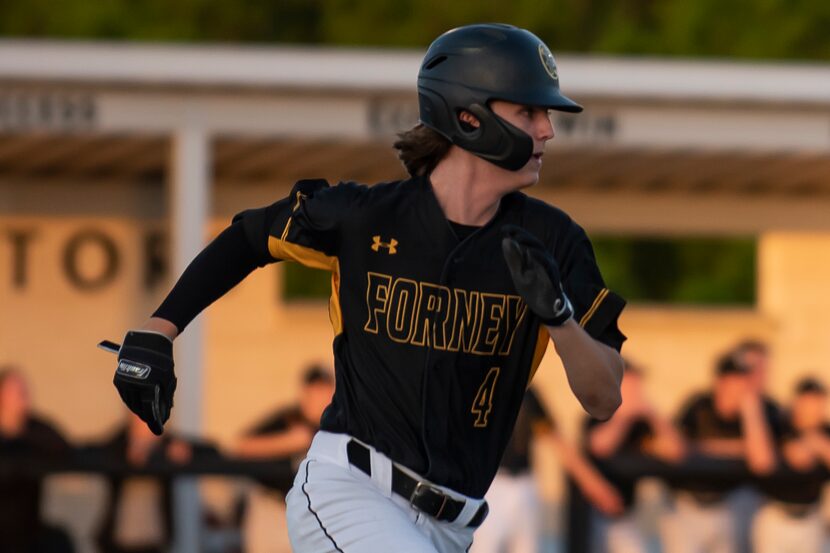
{"type": "Point", "coordinates": [791, 521]}
{"type": "Point", "coordinates": [25, 437]}
{"type": "Point", "coordinates": [514, 523]}
{"type": "Point", "coordinates": [436, 338]}
{"type": "Point", "coordinates": [138, 517]}
{"type": "Point", "coordinates": [746, 500]}
{"type": "Point", "coordinates": [636, 428]}
{"type": "Point", "coordinates": [282, 437]}
{"type": "Point", "coordinates": [730, 422]}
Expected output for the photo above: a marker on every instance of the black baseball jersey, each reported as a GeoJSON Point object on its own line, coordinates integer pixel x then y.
{"type": "Point", "coordinates": [433, 346]}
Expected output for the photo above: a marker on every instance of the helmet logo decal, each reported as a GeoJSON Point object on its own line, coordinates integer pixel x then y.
{"type": "Point", "coordinates": [548, 62]}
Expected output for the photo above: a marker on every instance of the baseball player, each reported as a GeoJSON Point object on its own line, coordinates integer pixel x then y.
{"type": "Point", "coordinates": [446, 289]}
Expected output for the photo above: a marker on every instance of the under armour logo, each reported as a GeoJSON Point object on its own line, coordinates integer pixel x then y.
{"type": "Point", "coordinates": [391, 245]}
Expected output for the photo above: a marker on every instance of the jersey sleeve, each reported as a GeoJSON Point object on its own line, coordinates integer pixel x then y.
{"type": "Point", "coordinates": [596, 308]}
{"type": "Point", "coordinates": [304, 227]}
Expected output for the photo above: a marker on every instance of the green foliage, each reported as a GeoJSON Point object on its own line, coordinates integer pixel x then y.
{"type": "Point", "coordinates": [701, 271]}
{"type": "Point", "coordinates": [794, 29]}
{"type": "Point", "coordinates": [302, 283]}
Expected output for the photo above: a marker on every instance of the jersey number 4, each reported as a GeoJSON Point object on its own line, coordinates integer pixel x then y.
{"type": "Point", "coordinates": [483, 402]}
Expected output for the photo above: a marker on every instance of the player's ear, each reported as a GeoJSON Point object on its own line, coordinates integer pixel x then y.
{"type": "Point", "coordinates": [468, 120]}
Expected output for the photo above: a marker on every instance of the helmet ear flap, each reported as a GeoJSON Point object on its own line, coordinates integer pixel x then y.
{"type": "Point", "coordinates": [495, 139]}
{"type": "Point", "coordinates": [498, 141]}
{"type": "Point", "coordinates": [434, 110]}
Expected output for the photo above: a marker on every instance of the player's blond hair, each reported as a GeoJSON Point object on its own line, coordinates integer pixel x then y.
{"type": "Point", "coordinates": [420, 149]}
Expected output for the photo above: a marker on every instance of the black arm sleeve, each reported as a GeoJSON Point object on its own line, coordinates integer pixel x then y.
{"type": "Point", "coordinates": [218, 268]}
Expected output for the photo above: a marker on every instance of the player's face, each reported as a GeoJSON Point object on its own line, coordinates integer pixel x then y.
{"type": "Point", "coordinates": [14, 395]}
{"type": "Point", "coordinates": [729, 391]}
{"type": "Point", "coordinates": [314, 400]}
{"type": "Point", "coordinates": [536, 122]}
{"type": "Point", "coordinates": [758, 362]}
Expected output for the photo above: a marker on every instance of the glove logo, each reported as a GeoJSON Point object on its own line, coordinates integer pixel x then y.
{"type": "Point", "coordinates": [391, 246]}
{"type": "Point", "coordinates": [133, 370]}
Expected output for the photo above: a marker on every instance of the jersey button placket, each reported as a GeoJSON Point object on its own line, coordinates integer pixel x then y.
{"type": "Point", "coordinates": [436, 362]}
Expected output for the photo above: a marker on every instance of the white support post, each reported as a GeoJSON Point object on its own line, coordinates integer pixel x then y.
{"type": "Point", "coordinates": [189, 201]}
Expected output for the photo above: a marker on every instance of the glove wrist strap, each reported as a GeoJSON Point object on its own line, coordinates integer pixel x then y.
{"type": "Point", "coordinates": [564, 312]}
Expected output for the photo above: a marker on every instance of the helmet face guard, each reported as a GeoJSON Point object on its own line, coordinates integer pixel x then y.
{"type": "Point", "coordinates": [467, 68]}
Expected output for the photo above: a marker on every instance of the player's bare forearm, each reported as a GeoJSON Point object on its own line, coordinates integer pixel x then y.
{"type": "Point", "coordinates": [593, 484]}
{"type": "Point", "coordinates": [604, 439]}
{"type": "Point", "coordinates": [162, 326]}
{"type": "Point", "coordinates": [668, 444]}
{"type": "Point", "coordinates": [594, 370]}
{"type": "Point", "coordinates": [725, 448]}
{"type": "Point", "coordinates": [760, 450]}
{"type": "Point", "coordinates": [283, 444]}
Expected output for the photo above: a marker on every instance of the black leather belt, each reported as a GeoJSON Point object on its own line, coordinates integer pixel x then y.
{"type": "Point", "coordinates": [425, 497]}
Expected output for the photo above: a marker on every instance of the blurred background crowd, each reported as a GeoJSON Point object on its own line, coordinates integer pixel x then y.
{"type": "Point", "coordinates": [732, 471]}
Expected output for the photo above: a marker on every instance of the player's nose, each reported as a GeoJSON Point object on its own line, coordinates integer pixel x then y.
{"type": "Point", "coordinates": [545, 129]}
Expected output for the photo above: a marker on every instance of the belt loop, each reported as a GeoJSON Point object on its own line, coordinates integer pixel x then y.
{"type": "Point", "coordinates": [471, 511]}
{"type": "Point", "coordinates": [381, 472]}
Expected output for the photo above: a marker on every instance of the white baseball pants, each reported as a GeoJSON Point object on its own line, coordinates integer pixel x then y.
{"type": "Point", "coordinates": [334, 507]}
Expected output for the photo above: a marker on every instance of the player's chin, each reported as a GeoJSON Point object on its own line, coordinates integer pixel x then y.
{"type": "Point", "coordinates": [527, 176]}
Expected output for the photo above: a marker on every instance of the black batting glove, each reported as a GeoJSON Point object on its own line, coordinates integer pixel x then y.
{"type": "Point", "coordinates": [145, 379]}
{"type": "Point", "coordinates": [536, 276]}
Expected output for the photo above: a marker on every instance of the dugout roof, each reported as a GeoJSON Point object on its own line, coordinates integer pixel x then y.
{"type": "Point", "coordinates": [95, 110]}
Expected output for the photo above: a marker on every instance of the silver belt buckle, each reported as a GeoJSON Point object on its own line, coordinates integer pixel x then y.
{"type": "Point", "coordinates": [417, 492]}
